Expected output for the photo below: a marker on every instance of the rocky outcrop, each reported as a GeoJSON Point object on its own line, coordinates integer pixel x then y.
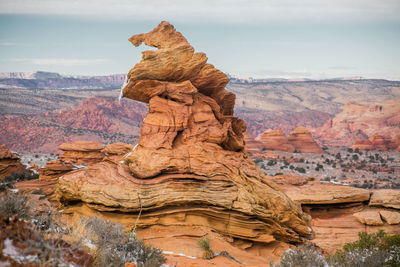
{"type": "Point", "coordinates": [252, 145]}
{"type": "Point", "coordinates": [276, 140]}
{"type": "Point", "coordinates": [303, 141]}
{"type": "Point", "coordinates": [358, 121]}
{"type": "Point", "coordinates": [378, 142]}
{"type": "Point", "coordinates": [369, 217]}
{"type": "Point", "coordinates": [317, 193]}
{"type": "Point", "coordinates": [300, 140]}
{"type": "Point", "coordinates": [82, 152]}
{"type": "Point", "coordinates": [189, 167]}
{"type": "Point", "coordinates": [389, 198]}
{"type": "Point", "coordinates": [9, 163]}
{"type": "Point", "coordinates": [55, 169]}
{"type": "Point", "coordinates": [391, 217]}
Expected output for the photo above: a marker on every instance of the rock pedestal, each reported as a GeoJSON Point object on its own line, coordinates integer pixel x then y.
{"type": "Point", "coordinates": [189, 167]}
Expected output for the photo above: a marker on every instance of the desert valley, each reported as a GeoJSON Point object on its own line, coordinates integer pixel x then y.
{"type": "Point", "coordinates": [179, 164]}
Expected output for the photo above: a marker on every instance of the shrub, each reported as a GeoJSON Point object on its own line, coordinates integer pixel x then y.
{"type": "Point", "coordinates": [373, 250]}
{"type": "Point", "coordinates": [9, 180]}
{"type": "Point", "coordinates": [204, 244]}
{"type": "Point", "coordinates": [304, 256]}
{"type": "Point", "coordinates": [115, 248]}
{"type": "Point", "coordinates": [14, 204]}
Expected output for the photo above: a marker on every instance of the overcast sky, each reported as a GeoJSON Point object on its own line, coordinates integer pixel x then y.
{"type": "Point", "coordinates": [278, 38]}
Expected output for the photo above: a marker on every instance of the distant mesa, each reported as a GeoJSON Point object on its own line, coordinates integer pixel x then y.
{"type": "Point", "coordinates": [300, 140]}
{"type": "Point", "coordinates": [358, 122]}
{"type": "Point", "coordinates": [189, 168]}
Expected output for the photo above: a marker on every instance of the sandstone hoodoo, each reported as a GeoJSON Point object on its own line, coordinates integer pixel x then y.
{"type": "Point", "coordinates": [303, 141]}
{"type": "Point", "coordinates": [189, 167]}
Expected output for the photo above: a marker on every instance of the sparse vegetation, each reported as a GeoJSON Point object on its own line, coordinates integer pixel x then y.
{"type": "Point", "coordinates": [14, 204]}
{"type": "Point", "coordinates": [9, 180]}
{"type": "Point", "coordinates": [204, 244]}
{"type": "Point", "coordinates": [113, 247]}
{"type": "Point", "coordinates": [370, 250]}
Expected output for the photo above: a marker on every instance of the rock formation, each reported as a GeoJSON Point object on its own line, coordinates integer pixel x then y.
{"type": "Point", "coordinates": [252, 145]}
{"type": "Point", "coordinates": [276, 140]}
{"type": "Point", "coordinates": [189, 167]}
{"type": "Point", "coordinates": [358, 121]}
{"type": "Point", "coordinates": [82, 152]}
{"type": "Point", "coordinates": [9, 163]}
{"type": "Point", "coordinates": [378, 142]}
{"type": "Point", "coordinates": [303, 141]}
{"type": "Point", "coordinates": [300, 140]}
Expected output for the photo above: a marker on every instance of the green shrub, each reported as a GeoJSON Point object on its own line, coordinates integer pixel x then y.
{"type": "Point", "coordinates": [372, 250]}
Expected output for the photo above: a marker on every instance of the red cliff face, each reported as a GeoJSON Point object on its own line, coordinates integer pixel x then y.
{"type": "Point", "coordinates": [101, 119]}
{"type": "Point", "coordinates": [358, 121]}
{"type": "Point", "coordinates": [252, 145]}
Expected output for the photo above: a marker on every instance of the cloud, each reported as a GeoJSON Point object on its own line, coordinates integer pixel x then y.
{"type": "Point", "coordinates": [215, 11]}
{"type": "Point", "coordinates": [66, 62]}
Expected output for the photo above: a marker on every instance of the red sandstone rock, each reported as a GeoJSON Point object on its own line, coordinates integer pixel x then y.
{"type": "Point", "coordinates": [303, 141]}
{"type": "Point", "coordinates": [252, 145]}
{"type": "Point", "coordinates": [189, 167]}
{"type": "Point", "coordinates": [9, 163]}
{"type": "Point", "coordinates": [82, 152]}
{"type": "Point", "coordinates": [276, 140]}
{"type": "Point", "coordinates": [358, 121]}
{"type": "Point", "coordinates": [370, 217]}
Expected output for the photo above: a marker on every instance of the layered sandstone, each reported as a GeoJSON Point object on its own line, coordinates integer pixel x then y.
{"type": "Point", "coordinates": [82, 152]}
{"type": "Point", "coordinates": [389, 198]}
{"type": "Point", "coordinates": [189, 167]}
{"type": "Point", "coordinates": [358, 121]}
{"type": "Point", "coordinates": [9, 163]}
{"type": "Point", "coordinates": [251, 144]}
{"type": "Point", "coordinates": [276, 140]}
{"type": "Point", "coordinates": [378, 142]}
{"type": "Point", "coordinates": [303, 141]}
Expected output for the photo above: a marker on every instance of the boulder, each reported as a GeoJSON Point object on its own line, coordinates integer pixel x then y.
{"type": "Point", "coordinates": [189, 167]}
{"type": "Point", "coordinates": [370, 217]}
{"type": "Point", "coordinates": [391, 217]}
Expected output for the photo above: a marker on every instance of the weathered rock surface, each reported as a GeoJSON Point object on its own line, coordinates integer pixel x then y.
{"type": "Point", "coordinates": [317, 193]}
{"type": "Point", "coordinates": [389, 198]}
{"type": "Point", "coordinates": [276, 140]}
{"type": "Point", "coordinates": [82, 152]}
{"type": "Point", "coordinates": [303, 141]}
{"type": "Point", "coordinates": [190, 166]}
{"type": "Point", "coordinates": [391, 217]}
{"type": "Point", "coordinates": [370, 217]}
{"type": "Point", "coordinates": [55, 169]}
{"type": "Point", "coordinates": [9, 162]}
{"type": "Point", "coordinates": [358, 121]}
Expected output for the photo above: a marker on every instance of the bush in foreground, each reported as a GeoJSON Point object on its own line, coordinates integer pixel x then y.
{"type": "Point", "coordinates": [113, 247]}
{"type": "Point", "coordinates": [370, 250]}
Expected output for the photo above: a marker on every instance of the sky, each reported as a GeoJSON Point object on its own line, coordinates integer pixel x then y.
{"type": "Point", "coordinates": [314, 39]}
